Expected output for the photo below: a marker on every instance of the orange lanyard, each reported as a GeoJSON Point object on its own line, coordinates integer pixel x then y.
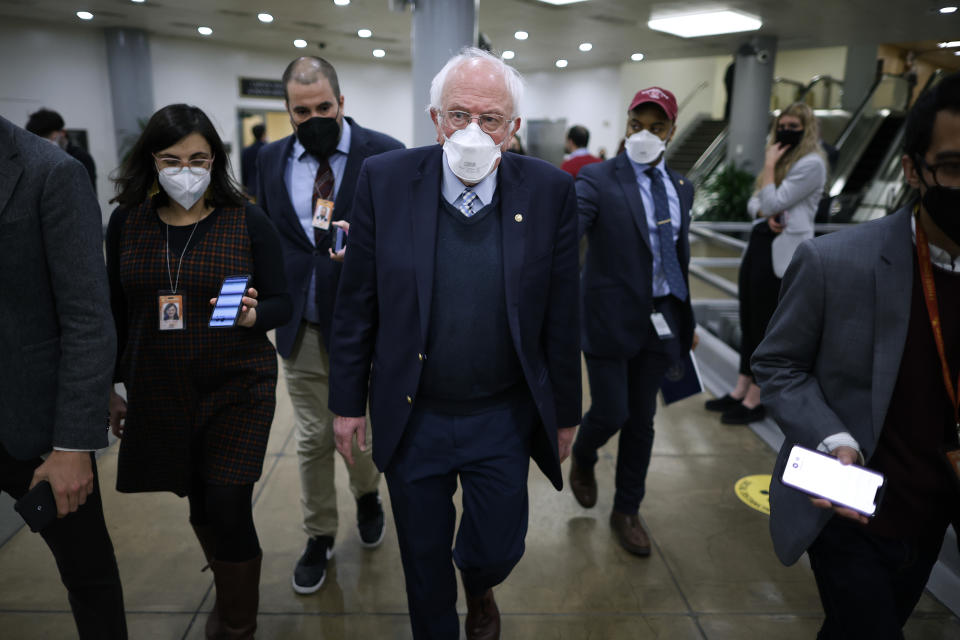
{"type": "Point", "coordinates": [933, 311]}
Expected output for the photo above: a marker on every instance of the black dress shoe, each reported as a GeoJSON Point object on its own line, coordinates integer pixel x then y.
{"type": "Point", "coordinates": [742, 415]}
{"type": "Point", "coordinates": [583, 483]}
{"type": "Point", "coordinates": [483, 617]}
{"type": "Point", "coordinates": [725, 403]}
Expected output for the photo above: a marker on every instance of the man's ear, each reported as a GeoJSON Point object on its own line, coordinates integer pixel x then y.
{"type": "Point", "coordinates": [436, 123]}
{"type": "Point", "coordinates": [910, 171]}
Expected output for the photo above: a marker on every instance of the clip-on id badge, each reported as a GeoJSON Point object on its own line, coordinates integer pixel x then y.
{"type": "Point", "coordinates": [322, 214]}
{"type": "Point", "coordinates": [170, 307]}
{"type": "Point", "coordinates": [661, 326]}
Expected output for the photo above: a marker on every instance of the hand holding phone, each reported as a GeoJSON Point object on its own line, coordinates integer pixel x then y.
{"type": "Point", "coordinates": [38, 507]}
{"type": "Point", "coordinates": [825, 477]}
{"type": "Point", "coordinates": [229, 302]}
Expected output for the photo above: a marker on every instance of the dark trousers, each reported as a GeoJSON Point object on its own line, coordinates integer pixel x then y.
{"type": "Point", "coordinates": [490, 454]}
{"type": "Point", "coordinates": [869, 585]}
{"type": "Point", "coordinates": [759, 291]}
{"type": "Point", "coordinates": [84, 553]}
{"type": "Point", "coordinates": [623, 397]}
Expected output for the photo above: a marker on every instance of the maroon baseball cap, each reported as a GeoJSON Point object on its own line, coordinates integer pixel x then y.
{"type": "Point", "coordinates": [660, 97]}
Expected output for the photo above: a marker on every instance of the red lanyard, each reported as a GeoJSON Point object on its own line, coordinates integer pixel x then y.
{"type": "Point", "coordinates": [933, 311]}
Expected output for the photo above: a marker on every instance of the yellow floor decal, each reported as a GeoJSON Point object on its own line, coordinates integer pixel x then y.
{"type": "Point", "coordinates": [754, 491]}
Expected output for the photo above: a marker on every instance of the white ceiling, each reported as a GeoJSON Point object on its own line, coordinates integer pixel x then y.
{"type": "Point", "coordinates": [616, 28]}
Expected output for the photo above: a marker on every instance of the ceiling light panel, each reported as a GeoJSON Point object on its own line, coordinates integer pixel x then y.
{"type": "Point", "coordinates": [711, 23]}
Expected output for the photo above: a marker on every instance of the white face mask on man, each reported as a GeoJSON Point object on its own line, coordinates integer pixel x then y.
{"type": "Point", "coordinates": [184, 185]}
{"type": "Point", "coordinates": [644, 147]}
{"type": "Point", "coordinates": [470, 153]}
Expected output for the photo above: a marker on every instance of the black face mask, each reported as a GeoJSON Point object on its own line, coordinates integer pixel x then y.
{"type": "Point", "coordinates": [789, 137]}
{"type": "Point", "coordinates": [319, 136]}
{"type": "Point", "coordinates": [943, 205]}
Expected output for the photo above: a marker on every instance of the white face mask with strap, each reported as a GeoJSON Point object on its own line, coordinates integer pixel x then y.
{"type": "Point", "coordinates": [184, 185]}
{"type": "Point", "coordinates": [470, 153]}
{"type": "Point", "coordinates": [644, 147]}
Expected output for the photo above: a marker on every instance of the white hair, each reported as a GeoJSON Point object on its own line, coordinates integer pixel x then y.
{"type": "Point", "coordinates": [511, 77]}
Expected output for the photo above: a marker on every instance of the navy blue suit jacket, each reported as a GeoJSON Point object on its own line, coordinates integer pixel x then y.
{"type": "Point", "coordinates": [618, 272]}
{"type": "Point", "coordinates": [300, 256]}
{"type": "Point", "coordinates": [383, 306]}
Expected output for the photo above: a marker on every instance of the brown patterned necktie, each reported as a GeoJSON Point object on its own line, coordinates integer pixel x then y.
{"type": "Point", "coordinates": [322, 190]}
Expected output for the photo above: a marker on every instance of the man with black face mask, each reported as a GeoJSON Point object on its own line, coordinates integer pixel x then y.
{"type": "Point", "coordinates": [861, 361]}
{"type": "Point", "coordinates": [306, 184]}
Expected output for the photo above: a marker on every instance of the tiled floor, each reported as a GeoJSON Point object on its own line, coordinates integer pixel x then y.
{"type": "Point", "coordinates": [712, 574]}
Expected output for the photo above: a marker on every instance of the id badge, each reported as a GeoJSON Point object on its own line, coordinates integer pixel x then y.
{"type": "Point", "coordinates": [661, 326]}
{"type": "Point", "coordinates": [170, 310]}
{"type": "Point", "coordinates": [323, 214]}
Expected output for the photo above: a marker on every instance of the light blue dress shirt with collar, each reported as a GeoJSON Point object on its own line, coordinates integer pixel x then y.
{"type": "Point", "coordinates": [660, 286]}
{"type": "Point", "coordinates": [299, 176]}
{"type": "Point", "coordinates": [452, 188]}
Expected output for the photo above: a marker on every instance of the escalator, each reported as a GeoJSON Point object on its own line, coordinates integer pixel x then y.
{"type": "Point", "coordinates": [681, 157]}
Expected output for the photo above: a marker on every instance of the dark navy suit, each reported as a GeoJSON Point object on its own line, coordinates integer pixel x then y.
{"type": "Point", "coordinates": [382, 319]}
{"type": "Point", "coordinates": [625, 358]}
{"type": "Point", "coordinates": [301, 257]}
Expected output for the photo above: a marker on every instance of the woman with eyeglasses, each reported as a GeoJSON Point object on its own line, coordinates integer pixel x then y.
{"type": "Point", "coordinates": [785, 200]}
{"type": "Point", "coordinates": [199, 401]}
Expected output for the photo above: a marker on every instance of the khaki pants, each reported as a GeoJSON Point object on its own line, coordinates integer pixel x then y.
{"type": "Point", "coordinates": [308, 379]}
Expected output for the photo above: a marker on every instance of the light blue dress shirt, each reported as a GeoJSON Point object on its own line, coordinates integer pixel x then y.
{"type": "Point", "coordinates": [660, 286]}
{"type": "Point", "coordinates": [299, 176]}
{"type": "Point", "coordinates": [452, 188]}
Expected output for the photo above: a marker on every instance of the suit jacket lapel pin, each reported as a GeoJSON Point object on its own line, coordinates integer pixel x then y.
{"type": "Point", "coordinates": [518, 218]}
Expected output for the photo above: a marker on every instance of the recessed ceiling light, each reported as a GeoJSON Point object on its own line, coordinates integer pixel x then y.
{"type": "Point", "coordinates": [341, 3]}
{"type": "Point", "coordinates": [585, 46]}
{"type": "Point", "coordinates": [949, 45]}
{"type": "Point", "coordinates": [300, 43]}
{"type": "Point", "coordinates": [711, 23]}
{"type": "Point", "coordinates": [379, 53]}
{"type": "Point", "coordinates": [561, 2]}
{"type": "Point", "coordinates": [561, 63]}
{"type": "Point", "coordinates": [265, 17]}
{"type": "Point", "coordinates": [84, 15]}
{"type": "Point", "coordinates": [508, 55]}
{"type": "Point", "coordinates": [636, 57]}
{"type": "Point", "coordinates": [521, 35]}
{"type": "Point", "coordinates": [364, 33]}
{"type": "Point", "coordinates": [138, 1]}
{"type": "Point", "coordinates": [946, 10]}
{"type": "Point", "coordinates": [204, 31]}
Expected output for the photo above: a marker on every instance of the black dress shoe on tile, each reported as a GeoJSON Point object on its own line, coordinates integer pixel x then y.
{"type": "Point", "coordinates": [583, 484]}
{"type": "Point", "coordinates": [742, 415]}
{"type": "Point", "coordinates": [725, 403]}
{"type": "Point", "coordinates": [483, 617]}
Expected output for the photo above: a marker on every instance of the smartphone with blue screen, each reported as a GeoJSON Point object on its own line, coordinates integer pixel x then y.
{"type": "Point", "coordinates": [229, 302]}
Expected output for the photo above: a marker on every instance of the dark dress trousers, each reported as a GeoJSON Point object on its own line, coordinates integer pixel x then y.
{"type": "Point", "coordinates": [626, 360]}
{"type": "Point", "coordinates": [380, 336]}
{"type": "Point", "coordinates": [58, 345]}
{"type": "Point", "coordinates": [301, 258]}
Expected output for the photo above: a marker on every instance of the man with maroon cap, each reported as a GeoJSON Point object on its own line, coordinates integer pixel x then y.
{"type": "Point", "coordinates": [637, 318]}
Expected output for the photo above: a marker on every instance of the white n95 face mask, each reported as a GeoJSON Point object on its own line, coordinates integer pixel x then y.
{"type": "Point", "coordinates": [184, 185]}
{"type": "Point", "coordinates": [470, 153]}
{"type": "Point", "coordinates": [644, 147]}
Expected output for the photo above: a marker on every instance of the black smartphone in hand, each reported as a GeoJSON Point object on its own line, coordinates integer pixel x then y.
{"type": "Point", "coordinates": [229, 301]}
{"type": "Point", "coordinates": [340, 240]}
{"type": "Point", "coordinates": [38, 507]}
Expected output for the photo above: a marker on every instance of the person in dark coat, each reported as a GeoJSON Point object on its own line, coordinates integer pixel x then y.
{"type": "Point", "coordinates": [49, 125]}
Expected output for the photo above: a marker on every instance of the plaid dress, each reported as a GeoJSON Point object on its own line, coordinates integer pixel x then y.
{"type": "Point", "coordinates": [199, 401]}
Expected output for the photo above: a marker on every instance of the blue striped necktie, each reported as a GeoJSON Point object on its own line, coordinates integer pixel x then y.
{"type": "Point", "coordinates": [466, 202]}
{"type": "Point", "coordinates": [668, 250]}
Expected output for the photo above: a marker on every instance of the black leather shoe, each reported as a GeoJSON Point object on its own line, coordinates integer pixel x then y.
{"type": "Point", "coordinates": [311, 568]}
{"type": "Point", "coordinates": [483, 617]}
{"type": "Point", "coordinates": [583, 483]}
{"type": "Point", "coordinates": [725, 403]}
{"type": "Point", "coordinates": [370, 520]}
{"type": "Point", "coordinates": [742, 415]}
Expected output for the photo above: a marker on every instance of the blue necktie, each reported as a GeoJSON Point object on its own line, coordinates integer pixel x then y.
{"type": "Point", "coordinates": [668, 250]}
{"type": "Point", "coordinates": [466, 202]}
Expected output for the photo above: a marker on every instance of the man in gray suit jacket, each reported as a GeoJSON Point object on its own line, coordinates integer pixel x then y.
{"type": "Point", "coordinates": [58, 344]}
{"type": "Point", "coordinates": [860, 361]}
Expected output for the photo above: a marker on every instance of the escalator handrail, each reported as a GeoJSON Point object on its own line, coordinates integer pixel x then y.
{"type": "Point", "coordinates": [862, 108]}
{"type": "Point", "coordinates": [709, 159]}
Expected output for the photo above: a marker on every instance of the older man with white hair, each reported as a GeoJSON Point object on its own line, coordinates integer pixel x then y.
{"type": "Point", "coordinates": [457, 308]}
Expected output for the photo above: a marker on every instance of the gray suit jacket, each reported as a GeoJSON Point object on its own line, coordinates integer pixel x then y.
{"type": "Point", "coordinates": [56, 333]}
{"type": "Point", "coordinates": [831, 355]}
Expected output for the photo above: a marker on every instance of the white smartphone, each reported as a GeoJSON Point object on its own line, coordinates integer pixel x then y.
{"type": "Point", "coordinates": [824, 476]}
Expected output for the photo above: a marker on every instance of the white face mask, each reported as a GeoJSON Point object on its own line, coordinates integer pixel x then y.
{"type": "Point", "coordinates": [471, 153]}
{"type": "Point", "coordinates": [183, 185]}
{"type": "Point", "coordinates": [644, 147]}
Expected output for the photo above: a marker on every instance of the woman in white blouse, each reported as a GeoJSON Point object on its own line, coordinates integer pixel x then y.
{"type": "Point", "coordinates": [787, 194]}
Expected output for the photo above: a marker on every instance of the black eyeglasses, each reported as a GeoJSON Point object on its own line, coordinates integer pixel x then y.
{"type": "Point", "coordinates": [945, 173]}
